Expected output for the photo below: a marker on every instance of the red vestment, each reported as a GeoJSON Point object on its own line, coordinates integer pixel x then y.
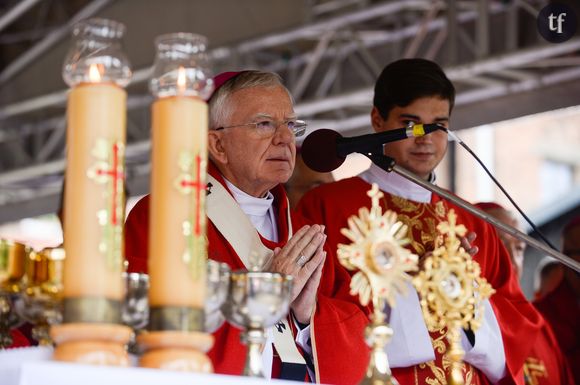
{"type": "Point", "coordinates": [339, 354]}
{"type": "Point", "coordinates": [546, 365]}
{"type": "Point", "coordinates": [561, 309]}
{"type": "Point", "coordinates": [18, 339]}
{"type": "Point", "coordinates": [333, 203]}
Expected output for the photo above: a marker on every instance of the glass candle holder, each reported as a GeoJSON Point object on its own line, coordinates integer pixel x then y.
{"type": "Point", "coordinates": [96, 55]}
{"type": "Point", "coordinates": [181, 66]}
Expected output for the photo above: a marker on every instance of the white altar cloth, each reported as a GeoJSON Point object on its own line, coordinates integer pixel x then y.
{"type": "Point", "coordinates": [33, 366]}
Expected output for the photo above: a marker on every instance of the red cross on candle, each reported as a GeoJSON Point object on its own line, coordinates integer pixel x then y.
{"type": "Point", "coordinates": [117, 175]}
{"type": "Point", "coordinates": [186, 184]}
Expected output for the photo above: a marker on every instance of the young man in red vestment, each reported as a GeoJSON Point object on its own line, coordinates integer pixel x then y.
{"type": "Point", "coordinates": [251, 145]}
{"type": "Point", "coordinates": [418, 91]}
{"type": "Point", "coordinates": [545, 364]}
{"type": "Point", "coordinates": [561, 307]}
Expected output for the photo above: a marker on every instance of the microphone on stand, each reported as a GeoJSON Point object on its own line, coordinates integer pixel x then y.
{"type": "Point", "coordinates": [325, 150]}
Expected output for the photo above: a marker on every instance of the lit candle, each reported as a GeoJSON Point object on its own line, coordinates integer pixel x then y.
{"type": "Point", "coordinates": [177, 218]}
{"type": "Point", "coordinates": [177, 221]}
{"type": "Point", "coordinates": [97, 71]}
{"type": "Point", "coordinates": [177, 247]}
{"type": "Point", "coordinates": [94, 189]}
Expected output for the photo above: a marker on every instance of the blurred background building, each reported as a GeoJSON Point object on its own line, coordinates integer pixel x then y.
{"type": "Point", "coordinates": [518, 102]}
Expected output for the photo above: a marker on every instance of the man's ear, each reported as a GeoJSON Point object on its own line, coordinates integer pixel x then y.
{"type": "Point", "coordinates": [377, 120]}
{"type": "Point", "coordinates": [215, 147]}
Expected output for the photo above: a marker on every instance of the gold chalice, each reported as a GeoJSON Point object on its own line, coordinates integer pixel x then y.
{"type": "Point", "coordinates": [12, 261]}
{"type": "Point", "coordinates": [41, 299]}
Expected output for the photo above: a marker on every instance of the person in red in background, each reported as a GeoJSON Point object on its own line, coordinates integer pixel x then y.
{"type": "Point", "coordinates": [545, 364]}
{"type": "Point", "coordinates": [548, 276]}
{"type": "Point", "coordinates": [561, 307]}
{"type": "Point", "coordinates": [251, 143]}
{"type": "Point", "coordinates": [304, 179]}
{"type": "Point", "coordinates": [514, 246]}
{"type": "Point", "coordinates": [418, 91]}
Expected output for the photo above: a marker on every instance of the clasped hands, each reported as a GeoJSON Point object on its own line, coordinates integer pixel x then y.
{"type": "Point", "coordinates": [303, 258]}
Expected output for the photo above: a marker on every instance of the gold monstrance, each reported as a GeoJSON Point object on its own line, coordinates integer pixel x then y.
{"type": "Point", "coordinates": [377, 251]}
{"type": "Point", "coordinates": [452, 292]}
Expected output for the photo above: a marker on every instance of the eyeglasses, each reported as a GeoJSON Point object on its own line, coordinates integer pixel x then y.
{"type": "Point", "coordinates": [267, 128]}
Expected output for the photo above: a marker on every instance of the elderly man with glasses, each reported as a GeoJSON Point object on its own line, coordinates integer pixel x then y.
{"type": "Point", "coordinates": [252, 152]}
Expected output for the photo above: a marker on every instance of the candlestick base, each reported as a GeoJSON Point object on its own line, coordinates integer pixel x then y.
{"type": "Point", "coordinates": [91, 343]}
{"type": "Point", "coordinates": [176, 350]}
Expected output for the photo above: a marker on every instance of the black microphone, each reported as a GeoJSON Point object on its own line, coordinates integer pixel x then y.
{"type": "Point", "coordinates": [325, 150]}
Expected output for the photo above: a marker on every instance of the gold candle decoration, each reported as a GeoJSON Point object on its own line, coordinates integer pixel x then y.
{"type": "Point", "coordinates": [41, 300]}
{"type": "Point", "coordinates": [177, 240]}
{"type": "Point", "coordinates": [377, 251]}
{"type": "Point", "coordinates": [12, 267]}
{"type": "Point", "coordinates": [97, 70]}
{"type": "Point", "coordinates": [452, 292]}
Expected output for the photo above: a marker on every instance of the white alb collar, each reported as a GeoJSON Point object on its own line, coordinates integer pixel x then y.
{"type": "Point", "coordinates": [251, 205]}
{"type": "Point", "coordinates": [395, 184]}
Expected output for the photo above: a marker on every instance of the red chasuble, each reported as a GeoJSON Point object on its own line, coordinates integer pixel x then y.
{"type": "Point", "coordinates": [546, 365]}
{"type": "Point", "coordinates": [333, 203]}
{"type": "Point", "coordinates": [339, 352]}
{"type": "Point", "coordinates": [561, 309]}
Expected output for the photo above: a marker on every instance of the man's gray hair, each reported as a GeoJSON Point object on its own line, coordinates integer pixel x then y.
{"type": "Point", "coordinates": [218, 106]}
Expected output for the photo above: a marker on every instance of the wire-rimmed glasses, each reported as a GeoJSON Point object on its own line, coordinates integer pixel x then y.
{"type": "Point", "coordinates": [267, 128]}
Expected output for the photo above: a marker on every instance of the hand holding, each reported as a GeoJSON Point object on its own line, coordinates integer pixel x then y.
{"type": "Point", "coordinates": [467, 241]}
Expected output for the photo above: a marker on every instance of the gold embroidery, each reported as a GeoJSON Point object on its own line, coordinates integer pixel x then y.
{"type": "Point", "coordinates": [439, 342]}
{"type": "Point", "coordinates": [534, 368]}
{"type": "Point", "coordinates": [440, 209]}
{"type": "Point", "coordinates": [405, 205]}
{"type": "Point", "coordinates": [439, 374]}
{"type": "Point", "coordinates": [416, 375]}
{"type": "Point", "coordinates": [436, 370]}
{"type": "Point", "coordinates": [422, 220]}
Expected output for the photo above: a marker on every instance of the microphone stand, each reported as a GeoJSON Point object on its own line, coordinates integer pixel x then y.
{"type": "Point", "coordinates": [388, 164]}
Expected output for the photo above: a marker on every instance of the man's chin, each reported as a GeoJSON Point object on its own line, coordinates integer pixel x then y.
{"type": "Point", "coordinates": [279, 178]}
{"type": "Point", "coordinates": [422, 170]}
{"type": "Point", "coordinates": [280, 170]}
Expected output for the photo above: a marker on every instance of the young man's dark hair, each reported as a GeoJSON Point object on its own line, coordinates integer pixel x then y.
{"type": "Point", "coordinates": [405, 80]}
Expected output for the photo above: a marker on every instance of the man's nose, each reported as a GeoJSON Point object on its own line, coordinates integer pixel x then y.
{"type": "Point", "coordinates": [423, 139]}
{"type": "Point", "coordinates": [283, 134]}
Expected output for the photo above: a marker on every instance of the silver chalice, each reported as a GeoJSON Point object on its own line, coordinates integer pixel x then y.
{"type": "Point", "coordinates": [135, 306]}
{"type": "Point", "coordinates": [218, 282]}
{"type": "Point", "coordinates": [256, 300]}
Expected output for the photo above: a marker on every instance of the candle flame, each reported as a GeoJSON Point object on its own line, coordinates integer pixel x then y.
{"type": "Point", "coordinates": [94, 73]}
{"type": "Point", "coordinates": [181, 79]}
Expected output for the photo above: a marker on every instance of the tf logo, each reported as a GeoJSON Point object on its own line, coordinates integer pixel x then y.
{"type": "Point", "coordinates": [557, 23]}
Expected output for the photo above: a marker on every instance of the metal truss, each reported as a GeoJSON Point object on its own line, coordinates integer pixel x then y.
{"type": "Point", "coordinates": [490, 49]}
